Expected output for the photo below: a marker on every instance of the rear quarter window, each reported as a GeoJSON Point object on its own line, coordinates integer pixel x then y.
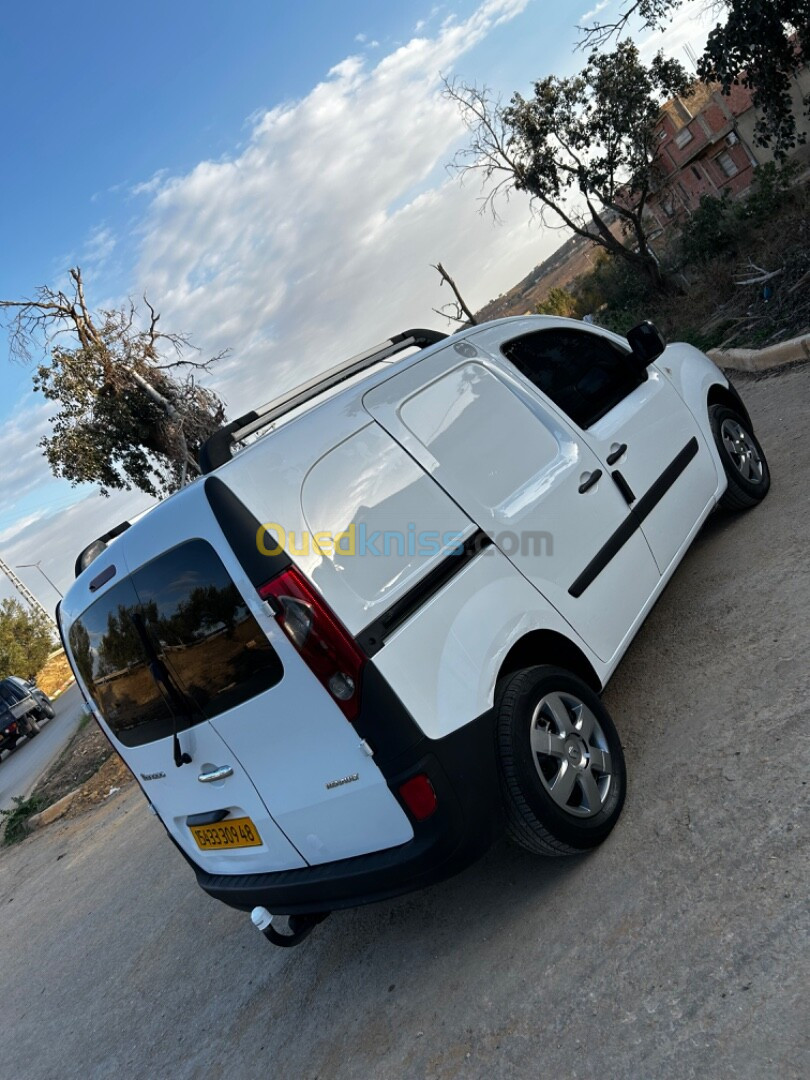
{"type": "Point", "coordinates": [173, 644]}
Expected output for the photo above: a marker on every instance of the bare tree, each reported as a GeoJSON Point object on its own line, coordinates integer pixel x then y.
{"type": "Point", "coordinates": [131, 413]}
{"type": "Point", "coordinates": [651, 13]}
{"type": "Point", "coordinates": [460, 312]}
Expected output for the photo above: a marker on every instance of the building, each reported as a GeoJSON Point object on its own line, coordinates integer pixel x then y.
{"type": "Point", "coordinates": [705, 146]}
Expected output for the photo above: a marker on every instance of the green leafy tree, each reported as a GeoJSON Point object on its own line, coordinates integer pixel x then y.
{"type": "Point", "coordinates": [582, 148]}
{"type": "Point", "coordinates": [26, 639]}
{"type": "Point", "coordinates": [128, 416]}
{"type": "Point", "coordinates": [761, 44]}
{"type": "Point", "coordinates": [559, 302]}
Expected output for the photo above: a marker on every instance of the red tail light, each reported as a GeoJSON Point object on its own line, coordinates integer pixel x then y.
{"type": "Point", "coordinates": [419, 796]}
{"type": "Point", "coordinates": [325, 645]}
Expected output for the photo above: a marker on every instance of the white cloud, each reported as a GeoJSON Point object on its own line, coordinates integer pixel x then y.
{"type": "Point", "coordinates": [99, 247]}
{"type": "Point", "coordinates": [23, 464]}
{"type": "Point", "coordinates": [150, 186]}
{"type": "Point", "coordinates": [689, 25]}
{"type": "Point", "coordinates": [56, 537]}
{"type": "Point", "coordinates": [594, 11]}
{"type": "Point", "coordinates": [314, 240]}
{"type": "Point", "coordinates": [318, 237]}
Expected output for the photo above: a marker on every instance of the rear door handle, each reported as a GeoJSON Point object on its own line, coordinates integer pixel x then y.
{"type": "Point", "coordinates": [222, 772]}
{"type": "Point", "coordinates": [589, 481]}
{"type": "Point", "coordinates": [614, 456]}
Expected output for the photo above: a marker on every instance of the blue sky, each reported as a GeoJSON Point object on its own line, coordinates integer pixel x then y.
{"type": "Point", "coordinates": [271, 174]}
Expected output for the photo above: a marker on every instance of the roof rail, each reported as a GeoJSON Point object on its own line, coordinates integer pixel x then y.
{"type": "Point", "coordinates": [217, 449]}
{"type": "Point", "coordinates": [92, 551]}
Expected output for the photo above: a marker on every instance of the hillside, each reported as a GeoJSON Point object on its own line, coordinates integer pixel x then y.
{"type": "Point", "coordinates": [570, 260]}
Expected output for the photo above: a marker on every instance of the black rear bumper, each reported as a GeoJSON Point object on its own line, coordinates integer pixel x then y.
{"type": "Point", "coordinates": [462, 769]}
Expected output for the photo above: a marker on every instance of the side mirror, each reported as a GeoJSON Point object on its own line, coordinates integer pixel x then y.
{"type": "Point", "coordinates": [647, 342]}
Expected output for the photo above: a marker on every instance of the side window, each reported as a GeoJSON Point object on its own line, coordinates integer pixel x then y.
{"type": "Point", "coordinates": [584, 374]}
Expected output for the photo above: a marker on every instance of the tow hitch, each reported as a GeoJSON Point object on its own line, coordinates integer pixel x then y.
{"type": "Point", "coordinates": [297, 926]}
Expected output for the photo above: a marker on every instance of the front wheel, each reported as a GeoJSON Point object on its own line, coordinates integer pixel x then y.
{"type": "Point", "coordinates": [744, 462]}
{"type": "Point", "coordinates": [562, 766]}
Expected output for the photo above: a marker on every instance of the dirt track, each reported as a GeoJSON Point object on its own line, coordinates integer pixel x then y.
{"type": "Point", "coordinates": [679, 949]}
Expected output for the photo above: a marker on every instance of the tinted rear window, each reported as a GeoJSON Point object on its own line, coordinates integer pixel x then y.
{"type": "Point", "coordinates": [182, 618]}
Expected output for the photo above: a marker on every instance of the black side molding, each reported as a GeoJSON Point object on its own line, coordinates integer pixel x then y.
{"type": "Point", "coordinates": [372, 639]}
{"type": "Point", "coordinates": [651, 498]}
{"type": "Point", "coordinates": [241, 529]}
{"type": "Point", "coordinates": [645, 505]}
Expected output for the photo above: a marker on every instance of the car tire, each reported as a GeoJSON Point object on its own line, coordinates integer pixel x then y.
{"type": "Point", "coordinates": [32, 728]}
{"type": "Point", "coordinates": [744, 462]}
{"type": "Point", "coordinates": [563, 776]}
{"type": "Point", "coordinates": [45, 710]}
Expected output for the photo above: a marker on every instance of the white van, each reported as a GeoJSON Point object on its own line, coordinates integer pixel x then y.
{"type": "Point", "coordinates": [339, 661]}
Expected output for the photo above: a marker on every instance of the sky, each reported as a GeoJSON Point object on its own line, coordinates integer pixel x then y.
{"type": "Point", "coordinates": [272, 176]}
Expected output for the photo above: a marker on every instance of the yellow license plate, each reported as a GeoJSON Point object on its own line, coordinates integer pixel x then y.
{"type": "Point", "coordinates": [234, 833]}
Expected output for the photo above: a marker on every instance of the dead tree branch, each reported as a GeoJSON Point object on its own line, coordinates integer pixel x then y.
{"type": "Point", "coordinates": [463, 313]}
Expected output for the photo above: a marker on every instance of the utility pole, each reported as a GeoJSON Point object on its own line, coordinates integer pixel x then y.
{"type": "Point", "coordinates": [24, 591]}
{"type": "Point", "coordinates": [38, 566]}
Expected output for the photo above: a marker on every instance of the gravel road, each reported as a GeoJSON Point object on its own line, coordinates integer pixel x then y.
{"type": "Point", "coordinates": [679, 949]}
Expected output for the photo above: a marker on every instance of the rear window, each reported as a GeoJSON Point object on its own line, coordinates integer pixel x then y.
{"type": "Point", "coordinates": [11, 693]}
{"type": "Point", "coordinates": [175, 643]}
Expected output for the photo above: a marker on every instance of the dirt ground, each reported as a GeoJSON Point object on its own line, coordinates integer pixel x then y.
{"type": "Point", "coordinates": [88, 762]}
{"type": "Point", "coordinates": [679, 949]}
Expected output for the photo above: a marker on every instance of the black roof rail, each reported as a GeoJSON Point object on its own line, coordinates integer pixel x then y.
{"type": "Point", "coordinates": [92, 551]}
{"type": "Point", "coordinates": [217, 449]}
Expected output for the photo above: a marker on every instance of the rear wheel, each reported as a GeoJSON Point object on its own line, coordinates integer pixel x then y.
{"type": "Point", "coordinates": [562, 766]}
{"type": "Point", "coordinates": [744, 461]}
{"type": "Point", "coordinates": [32, 727]}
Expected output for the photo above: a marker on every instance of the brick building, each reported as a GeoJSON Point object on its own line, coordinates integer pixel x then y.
{"type": "Point", "coordinates": [700, 151]}
{"type": "Point", "coordinates": [706, 147]}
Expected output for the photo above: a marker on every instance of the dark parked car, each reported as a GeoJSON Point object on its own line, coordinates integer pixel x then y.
{"type": "Point", "coordinates": [20, 712]}
{"type": "Point", "coordinates": [44, 706]}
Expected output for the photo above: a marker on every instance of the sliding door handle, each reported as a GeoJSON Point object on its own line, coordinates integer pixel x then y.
{"type": "Point", "coordinates": [589, 481]}
{"type": "Point", "coordinates": [614, 455]}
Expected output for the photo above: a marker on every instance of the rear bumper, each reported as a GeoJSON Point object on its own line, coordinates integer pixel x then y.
{"type": "Point", "coordinates": [462, 769]}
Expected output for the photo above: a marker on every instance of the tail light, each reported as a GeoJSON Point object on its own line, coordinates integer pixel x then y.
{"type": "Point", "coordinates": [325, 645]}
{"type": "Point", "coordinates": [419, 796]}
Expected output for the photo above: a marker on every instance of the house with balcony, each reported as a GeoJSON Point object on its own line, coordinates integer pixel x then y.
{"type": "Point", "coordinates": [705, 146]}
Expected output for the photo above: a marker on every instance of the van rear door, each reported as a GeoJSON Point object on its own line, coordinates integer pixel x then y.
{"type": "Point", "coordinates": [122, 649]}
{"type": "Point", "coordinates": [272, 722]}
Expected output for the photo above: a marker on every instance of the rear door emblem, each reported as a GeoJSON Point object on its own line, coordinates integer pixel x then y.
{"type": "Point", "coordinates": [343, 780]}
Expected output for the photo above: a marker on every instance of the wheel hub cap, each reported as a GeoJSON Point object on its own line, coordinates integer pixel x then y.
{"type": "Point", "coordinates": [571, 754]}
{"type": "Point", "coordinates": [742, 451]}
